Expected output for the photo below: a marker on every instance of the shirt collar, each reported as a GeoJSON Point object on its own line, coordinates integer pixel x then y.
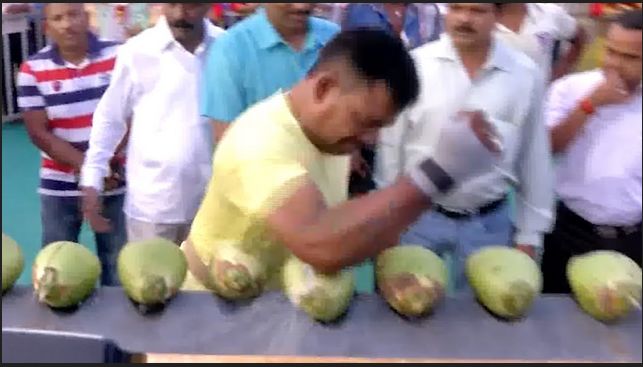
{"type": "Point", "coordinates": [267, 36]}
{"type": "Point", "coordinates": [499, 57]}
{"type": "Point", "coordinates": [93, 49]}
{"type": "Point", "coordinates": [166, 38]}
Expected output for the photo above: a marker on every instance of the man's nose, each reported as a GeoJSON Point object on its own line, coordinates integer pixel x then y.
{"type": "Point", "coordinates": [66, 23]}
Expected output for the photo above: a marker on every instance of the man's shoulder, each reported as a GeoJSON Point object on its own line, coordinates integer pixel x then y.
{"type": "Point", "coordinates": [238, 37]}
{"type": "Point", "coordinates": [108, 48]}
{"type": "Point", "coordinates": [433, 49]}
{"type": "Point", "coordinates": [520, 60]}
{"type": "Point", "coordinates": [261, 131]}
{"type": "Point", "coordinates": [428, 53]}
{"type": "Point", "coordinates": [324, 29]}
{"type": "Point", "coordinates": [539, 10]}
{"type": "Point", "coordinates": [142, 41]}
{"type": "Point", "coordinates": [45, 53]}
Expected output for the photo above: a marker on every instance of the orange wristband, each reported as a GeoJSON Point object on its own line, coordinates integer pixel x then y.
{"type": "Point", "coordinates": [587, 106]}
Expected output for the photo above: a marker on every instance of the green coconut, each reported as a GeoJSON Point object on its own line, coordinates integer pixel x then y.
{"type": "Point", "coordinates": [606, 284]}
{"type": "Point", "coordinates": [13, 262]}
{"type": "Point", "coordinates": [151, 272]}
{"type": "Point", "coordinates": [324, 297]}
{"type": "Point", "coordinates": [236, 274]}
{"type": "Point", "coordinates": [411, 279]}
{"type": "Point", "coordinates": [505, 280]}
{"type": "Point", "coordinates": [65, 274]}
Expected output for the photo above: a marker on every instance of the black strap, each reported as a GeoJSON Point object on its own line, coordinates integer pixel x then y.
{"type": "Point", "coordinates": [437, 175]}
{"type": "Point", "coordinates": [486, 209]}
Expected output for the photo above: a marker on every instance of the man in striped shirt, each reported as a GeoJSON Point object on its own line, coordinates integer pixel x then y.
{"type": "Point", "coordinates": [58, 90]}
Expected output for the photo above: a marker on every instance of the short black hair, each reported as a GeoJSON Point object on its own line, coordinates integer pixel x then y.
{"type": "Point", "coordinates": [630, 19]}
{"type": "Point", "coordinates": [376, 55]}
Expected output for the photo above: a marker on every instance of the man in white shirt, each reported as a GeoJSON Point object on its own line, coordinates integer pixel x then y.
{"type": "Point", "coordinates": [469, 73]}
{"type": "Point", "coordinates": [595, 123]}
{"type": "Point", "coordinates": [156, 83]}
{"type": "Point", "coordinates": [536, 29]}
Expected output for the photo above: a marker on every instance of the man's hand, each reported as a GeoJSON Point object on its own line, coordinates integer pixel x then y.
{"type": "Point", "coordinates": [527, 249]}
{"type": "Point", "coordinates": [466, 148]}
{"type": "Point", "coordinates": [613, 90]}
{"type": "Point", "coordinates": [112, 181]}
{"type": "Point", "coordinates": [115, 177]}
{"type": "Point", "coordinates": [92, 209]}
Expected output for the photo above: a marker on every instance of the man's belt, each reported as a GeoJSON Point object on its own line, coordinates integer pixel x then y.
{"type": "Point", "coordinates": [603, 231]}
{"type": "Point", "coordinates": [613, 232]}
{"type": "Point", "coordinates": [486, 209]}
{"type": "Point", "coordinates": [196, 266]}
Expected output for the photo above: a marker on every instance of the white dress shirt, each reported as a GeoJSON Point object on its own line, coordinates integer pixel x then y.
{"type": "Point", "coordinates": [156, 82]}
{"type": "Point", "coordinates": [510, 90]}
{"type": "Point", "coordinates": [545, 24]}
{"type": "Point", "coordinates": [599, 174]}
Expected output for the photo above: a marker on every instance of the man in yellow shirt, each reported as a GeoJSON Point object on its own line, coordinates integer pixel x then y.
{"type": "Point", "coordinates": [280, 173]}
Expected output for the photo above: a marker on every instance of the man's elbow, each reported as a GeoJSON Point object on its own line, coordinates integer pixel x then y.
{"type": "Point", "coordinates": [322, 259]}
{"type": "Point", "coordinates": [557, 146]}
{"type": "Point", "coordinates": [325, 265]}
{"type": "Point", "coordinates": [39, 137]}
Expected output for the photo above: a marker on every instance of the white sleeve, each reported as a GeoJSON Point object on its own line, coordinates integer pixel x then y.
{"type": "Point", "coordinates": [109, 123]}
{"type": "Point", "coordinates": [390, 158]}
{"type": "Point", "coordinates": [566, 25]}
{"type": "Point", "coordinates": [559, 102]}
{"type": "Point", "coordinates": [535, 200]}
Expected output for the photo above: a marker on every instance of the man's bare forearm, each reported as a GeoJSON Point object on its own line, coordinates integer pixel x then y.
{"type": "Point", "coordinates": [565, 132]}
{"type": "Point", "coordinates": [361, 228]}
{"type": "Point", "coordinates": [59, 150]}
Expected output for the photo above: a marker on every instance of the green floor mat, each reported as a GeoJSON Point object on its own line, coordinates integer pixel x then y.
{"type": "Point", "coordinates": [20, 201]}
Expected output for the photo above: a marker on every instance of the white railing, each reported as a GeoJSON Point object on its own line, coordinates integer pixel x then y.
{"type": "Point", "coordinates": [16, 32]}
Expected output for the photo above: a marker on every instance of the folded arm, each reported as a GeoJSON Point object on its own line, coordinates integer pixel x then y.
{"type": "Point", "coordinates": [330, 239]}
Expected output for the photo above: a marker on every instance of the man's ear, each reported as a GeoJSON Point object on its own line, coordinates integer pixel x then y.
{"type": "Point", "coordinates": [325, 82]}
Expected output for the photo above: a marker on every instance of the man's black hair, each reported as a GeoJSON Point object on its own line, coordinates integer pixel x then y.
{"type": "Point", "coordinates": [376, 55]}
{"type": "Point", "coordinates": [630, 19]}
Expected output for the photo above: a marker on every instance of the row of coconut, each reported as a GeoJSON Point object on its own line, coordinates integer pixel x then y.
{"type": "Point", "coordinates": [412, 279]}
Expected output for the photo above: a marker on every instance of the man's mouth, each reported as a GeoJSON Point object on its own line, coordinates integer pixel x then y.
{"type": "Point", "coordinates": [300, 16]}
{"type": "Point", "coordinates": [182, 26]}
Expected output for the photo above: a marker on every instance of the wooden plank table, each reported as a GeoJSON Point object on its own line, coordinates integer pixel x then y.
{"type": "Point", "coordinates": [201, 327]}
{"type": "Point", "coordinates": [178, 358]}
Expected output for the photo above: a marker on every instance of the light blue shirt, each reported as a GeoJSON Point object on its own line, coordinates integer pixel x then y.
{"type": "Point", "coordinates": [251, 62]}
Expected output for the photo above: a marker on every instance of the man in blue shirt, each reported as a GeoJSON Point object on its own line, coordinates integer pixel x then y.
{"type": "Point", "coordinates": [415, 23]}
{"type": "Point", "coordinates": [268, 51]}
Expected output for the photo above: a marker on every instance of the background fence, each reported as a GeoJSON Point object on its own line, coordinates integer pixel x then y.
{"type": "Point", "coordinates": [22, 35]}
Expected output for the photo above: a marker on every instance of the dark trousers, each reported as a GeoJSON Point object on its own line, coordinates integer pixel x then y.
{"type": "Point", "coordinates": [62, 220]}
{"type": "Point", "coordinates": [573, 236]}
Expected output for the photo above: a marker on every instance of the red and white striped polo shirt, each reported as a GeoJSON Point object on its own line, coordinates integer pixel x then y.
{"type": "Point", "coordinates": [69, 94]}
